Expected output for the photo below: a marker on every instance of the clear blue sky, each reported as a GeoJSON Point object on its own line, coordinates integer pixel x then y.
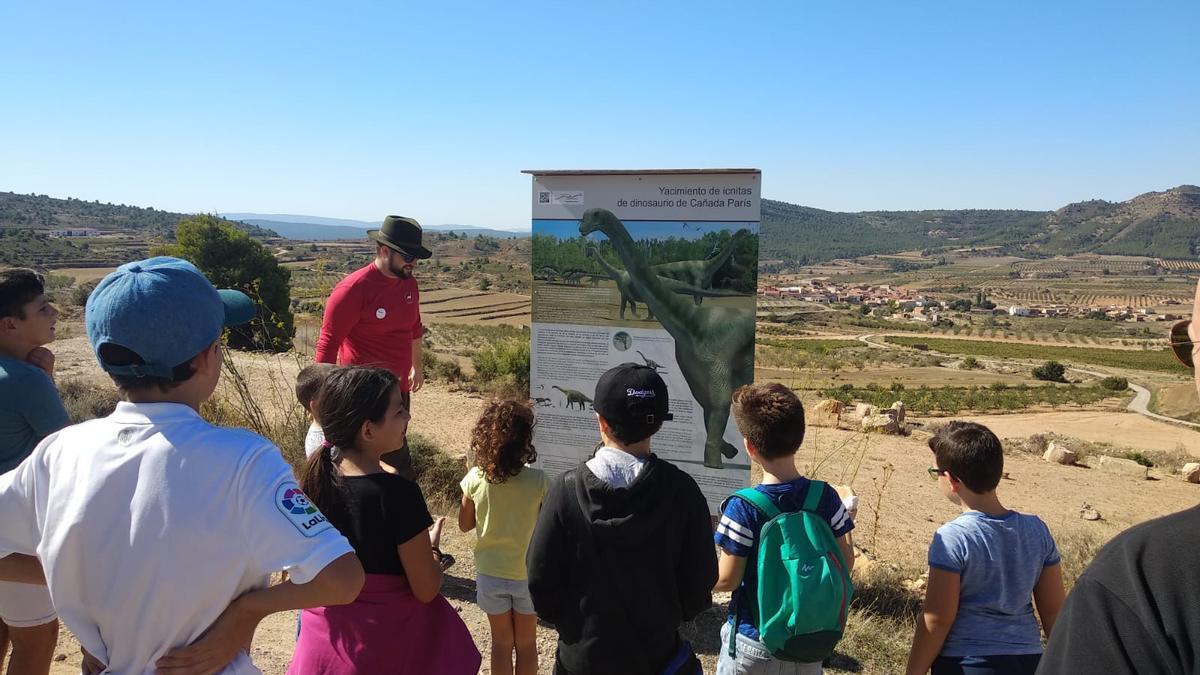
{"type": "Point", "coordinates": [357, 110]}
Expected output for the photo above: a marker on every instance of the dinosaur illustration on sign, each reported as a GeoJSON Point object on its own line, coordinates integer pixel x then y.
{"type": "Point", "coordinates": [574, 397]}
{"type": "Point", "coordinates": [714, 346]}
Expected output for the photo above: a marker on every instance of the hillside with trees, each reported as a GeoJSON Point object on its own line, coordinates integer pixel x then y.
{"type": "Point", "coordinates": [39, 212]}
{"type": "Point", "coordinates": [1156, 224]}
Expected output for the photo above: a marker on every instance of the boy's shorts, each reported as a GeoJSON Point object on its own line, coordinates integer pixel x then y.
{"type": "Point", "coordinates": [497, 596]}
{"type": "Point", "coordinates": [754, 659]}
{"type": "Point", "coordinates": [25, 605]}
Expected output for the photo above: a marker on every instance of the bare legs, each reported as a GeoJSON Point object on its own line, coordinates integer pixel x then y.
{"type": "Point", "coordinates": [513, 631]}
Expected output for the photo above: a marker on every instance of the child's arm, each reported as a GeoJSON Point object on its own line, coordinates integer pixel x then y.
{"type": "Point", "coordinates": [934, 622]}
{"type": "Point", "coordinates": [846, 544]}
{"type": "Point", "coordinates": [338, 583]}
{"type": "Point", "coordinates": [421, 565]}
{"type": "Point", "coordinates": [730, 570]}
{"type": "Point", "coordinates": [466, 514]}
{"type": "Point", "coordinates": [1048, 596]}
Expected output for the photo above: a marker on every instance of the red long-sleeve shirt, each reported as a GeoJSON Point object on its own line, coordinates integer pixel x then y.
{"type": "Point", "coordinates": [371, 320]}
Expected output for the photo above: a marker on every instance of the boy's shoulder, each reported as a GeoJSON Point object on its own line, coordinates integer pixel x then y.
{"type": "Point", "coordinates": [16, 375]}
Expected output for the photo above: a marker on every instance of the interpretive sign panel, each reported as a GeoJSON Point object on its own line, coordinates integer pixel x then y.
{"type": "Point", "coordinates": [652, 267]}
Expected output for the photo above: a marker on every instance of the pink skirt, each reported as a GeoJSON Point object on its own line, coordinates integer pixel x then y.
{"type": "Point", "coordinates": [386, 631]}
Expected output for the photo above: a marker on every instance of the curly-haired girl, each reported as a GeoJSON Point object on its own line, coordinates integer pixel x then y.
{"type": "Point", "coordinates": [501, 498]}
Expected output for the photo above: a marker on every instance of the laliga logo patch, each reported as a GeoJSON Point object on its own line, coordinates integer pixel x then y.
{"type": "Point", "coordinates": [639, 393]}
{"type": "Point", "coordinates": [380, 313]}
{"type": "Point", "coordinates": [294, 504]}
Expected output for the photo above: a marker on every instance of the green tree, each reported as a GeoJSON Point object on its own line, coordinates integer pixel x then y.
{"type": "Point", "coordinates": [231, 259]}
{"type": "Point", "coordinates": [1051, 371]}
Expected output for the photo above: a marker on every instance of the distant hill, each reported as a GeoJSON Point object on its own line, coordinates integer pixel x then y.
{"type": "Point", "coordinates": [1156, 224]}
{"type": "Point", "coordinates": [317, 228]}
{"type": "Point", "coordinates": [39, 212]}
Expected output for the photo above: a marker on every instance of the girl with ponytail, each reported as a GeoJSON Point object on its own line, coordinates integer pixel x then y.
{"type": "Point", "coordinates": [400, 623]}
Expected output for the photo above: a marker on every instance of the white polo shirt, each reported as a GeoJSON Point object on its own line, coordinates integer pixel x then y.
{"type": "Point", "coordinates": [150, 521]}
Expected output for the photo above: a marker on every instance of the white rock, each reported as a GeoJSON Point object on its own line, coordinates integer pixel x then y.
{"type": "Point", "coordinates": [897, 412]}
{"type": "Point", "coordinates": [1057, 453]}
{"type": "Point", "coordinates": [884, 424]}
{"type": "Point", "coordinates": [1123, 467]}
{"type": "Point", "coordinates": [1191, 472]}
{"type": "Point", "coordinates": [865, 410]}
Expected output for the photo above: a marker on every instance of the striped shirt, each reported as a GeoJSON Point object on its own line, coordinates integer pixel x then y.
{"type": "Point", "coordinates": [737, 534]}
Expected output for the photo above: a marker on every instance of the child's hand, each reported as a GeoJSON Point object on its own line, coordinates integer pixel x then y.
{"type": "Point", "coordinates": [435, 532]}
{"type": "Point", "coordinates": [229, 634]}
{"type": "Point", "coordinates": [43, 358]}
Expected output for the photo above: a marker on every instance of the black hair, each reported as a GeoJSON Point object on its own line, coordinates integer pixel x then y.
{"type": "Point", "coordinates": [349, 398]}
{"type": "Point", "coordinates": [309, 381]}
{"type": "Point", "coordinates": [631, 432]}
{"type": "Point", "coordinates": [116, 355]}
{"type": "Point", "coordinates": [971, 453]}
{"type": "Point", "coordinates": [18, 287]}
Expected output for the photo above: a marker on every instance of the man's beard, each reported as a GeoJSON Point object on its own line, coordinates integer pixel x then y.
{"type": "Point", "coordinates": [404, 271]}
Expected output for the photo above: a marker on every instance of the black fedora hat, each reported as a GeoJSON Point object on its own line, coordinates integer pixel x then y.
{"type": "Point", "coordinates": [401, 234]}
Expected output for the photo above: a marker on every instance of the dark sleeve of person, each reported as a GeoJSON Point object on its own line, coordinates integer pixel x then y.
{"type": "Point", "coordinates": [548, 557]}
{"type": "Point", "coordinates": [697, 571]}
{"type": "Point", "coordinates": [1098, 633]}
{"type": "Point", "coordinates": [407, 512]}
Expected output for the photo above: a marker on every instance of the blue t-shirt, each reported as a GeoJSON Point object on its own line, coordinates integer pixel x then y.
{"type": "Point", "coordinates": [999, 560]}
{"type": "Point", "coordinates": [30, 410]}
{"type": "Point", "coordinates": [737, 534]}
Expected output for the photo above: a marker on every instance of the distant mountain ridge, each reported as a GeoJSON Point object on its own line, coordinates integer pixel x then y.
{"type": "Point", "coordinates": [1156, 224]}
{"type": "Point", "coordinates": [317, 228]}
{"type": "Point", "coordinates": [40, 212]}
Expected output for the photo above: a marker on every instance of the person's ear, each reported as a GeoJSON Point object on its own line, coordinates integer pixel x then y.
{"type": "Point", "coordinates": [751, 449]}
{"type": "Point", "coordinates": [603, 424]}
{"type": "Point", "coordinates": [208, 360]}
{"type": "Point", "coordinates": [955, 483]}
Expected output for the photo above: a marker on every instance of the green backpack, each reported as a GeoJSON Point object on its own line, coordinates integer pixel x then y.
{"type": "Point", "coordinates": [804, 587]}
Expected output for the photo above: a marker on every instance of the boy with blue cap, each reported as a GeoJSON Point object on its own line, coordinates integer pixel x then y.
{"type": "Point", "coordinates": [154, 527]}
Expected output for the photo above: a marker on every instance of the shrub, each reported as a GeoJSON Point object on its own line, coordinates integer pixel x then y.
{"type": "Point", "coordinates": [1115, 383]}
{"type": "Point", "coordinates": [85, 400]}
{"type": "Point", "coordinates": [82, 292]}
{"type": "Point", "coordinates": [437, 473]}
{"type": "Point", "coordinates": [505, 362]}
{"type": "Point", "coordinates": [970, 363]}
{"type": "Point", "coordinates": [1050, 371]}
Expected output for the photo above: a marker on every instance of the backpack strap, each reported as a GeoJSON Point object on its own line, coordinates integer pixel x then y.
{"type": "Point", "coordinates": [816, 490]}
{"type": "Point", "coordinates": [759, 501]}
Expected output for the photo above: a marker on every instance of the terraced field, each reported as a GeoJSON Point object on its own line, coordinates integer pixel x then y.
{"type": "Point", "coordinates": [456, 305]}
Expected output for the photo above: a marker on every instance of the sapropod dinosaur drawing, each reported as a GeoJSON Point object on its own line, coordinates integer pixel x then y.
{"type": "Point", "coordinates": [650, 363]}
{"type": "Point", "coordinates": [630, 295]}
{"type": "Point", "coordinates": [714, 346]}
{"type": "Point", "coordinates": [573, 396]}
{"type": "Point", "coordinates": [700, 273]}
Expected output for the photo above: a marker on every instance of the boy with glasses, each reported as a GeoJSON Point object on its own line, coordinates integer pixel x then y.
{"type": "Point", "coordinates": [983, 568]}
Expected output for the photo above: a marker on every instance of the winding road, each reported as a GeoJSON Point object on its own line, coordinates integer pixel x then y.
{"type": "Point", "coordinates": [1141, 395]}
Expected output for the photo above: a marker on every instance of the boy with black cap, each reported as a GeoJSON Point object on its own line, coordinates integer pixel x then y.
{"type": "Point", "coordinates": [153, 526]}
{"type": "Point", "coordinates": [622, 553]}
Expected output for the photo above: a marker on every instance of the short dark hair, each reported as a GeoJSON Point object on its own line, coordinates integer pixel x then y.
{"type": "Point", "coordinates": [631, 432]}
{"type": "Point", "coordinates": [116, 355]}
{"type": "Point", "coordinates": [770, 416]}
{"type": "Point", "coordinates": [309, 380]}
{"type": "Point", "coordinates": [971, 453]}
{"type": "Point", "coordinates": [18, 287]}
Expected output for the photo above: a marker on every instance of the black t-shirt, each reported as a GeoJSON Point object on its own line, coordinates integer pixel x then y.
{"type": "Point", "coordinates": [381, 511]}
{"type": "Point", "coordinates": [1136, 609]}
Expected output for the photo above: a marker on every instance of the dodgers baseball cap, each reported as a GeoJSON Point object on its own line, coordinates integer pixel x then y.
{"type": "Point", "coordinates": [632, 394]}
{"type": "Point", "coordinates": [163, 310]}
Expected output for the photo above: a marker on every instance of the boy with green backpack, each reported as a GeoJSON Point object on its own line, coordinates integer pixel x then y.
{"type": "Point", "coordinates": [785, 553]}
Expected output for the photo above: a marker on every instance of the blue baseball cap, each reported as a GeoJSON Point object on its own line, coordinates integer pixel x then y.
{"type": "Point", "coordinates": [163, 310]}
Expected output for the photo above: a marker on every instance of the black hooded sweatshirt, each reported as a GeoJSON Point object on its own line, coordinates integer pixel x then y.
{"type": "Point", "coordinates": [618, 584]}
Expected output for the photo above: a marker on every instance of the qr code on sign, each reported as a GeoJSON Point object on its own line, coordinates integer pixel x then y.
{"type": "Point", "coordinates": [543, 197]}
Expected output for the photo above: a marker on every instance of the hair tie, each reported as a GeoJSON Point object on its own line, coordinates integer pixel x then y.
{"type": "Point", "coordinates": [335, 453]}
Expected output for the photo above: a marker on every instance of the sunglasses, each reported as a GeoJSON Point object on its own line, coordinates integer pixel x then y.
{"type": "Point", "coordinates": [406, 256]}
{"type": "Point", "coordinates": [934, 472]}
{"type": "Point", "coordinates": [1182, 344]}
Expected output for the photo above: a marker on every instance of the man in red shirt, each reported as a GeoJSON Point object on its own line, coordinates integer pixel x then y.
{"type": "Point", "coordinates": [373, 316]}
